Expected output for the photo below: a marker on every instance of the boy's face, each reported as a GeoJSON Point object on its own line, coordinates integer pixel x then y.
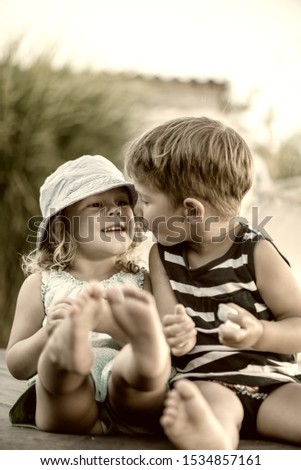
{"type": "Point", "coordinates": [159, 214]}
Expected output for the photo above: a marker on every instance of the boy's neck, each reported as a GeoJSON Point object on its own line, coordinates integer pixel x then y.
{"type": "Point", "coordinates": [212, 244]}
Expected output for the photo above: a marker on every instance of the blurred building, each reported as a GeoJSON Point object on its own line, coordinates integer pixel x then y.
{"type": "Point", "coordinates": [156, 99]}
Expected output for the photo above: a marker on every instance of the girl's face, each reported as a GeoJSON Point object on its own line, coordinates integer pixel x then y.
{"type": "Point", "coordinates": [103, 224]}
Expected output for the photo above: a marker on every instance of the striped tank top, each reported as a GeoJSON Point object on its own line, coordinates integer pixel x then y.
{"type": "Point", "coordinates": [230, 278]}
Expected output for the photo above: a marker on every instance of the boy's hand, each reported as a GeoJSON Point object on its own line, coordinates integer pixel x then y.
{"type": "Point", "coordinates": [248, 332]}
{"type": "Point", "coordinates": [57, 313]}
{"type": "Point", "coordinates": [180, 331]}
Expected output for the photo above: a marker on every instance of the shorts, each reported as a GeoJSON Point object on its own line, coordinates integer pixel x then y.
{"type": "Point", "coordinates": [115, 426]}
{"type": "Point", "coordinates": [23, 412]}
{"type": "Point", "coordinates": [251, 399]}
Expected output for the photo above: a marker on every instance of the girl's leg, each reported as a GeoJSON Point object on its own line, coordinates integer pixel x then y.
{"type": "Point", "coordinates": [202, 415]}
{"type": "Point", "coordinates": [65, 392]}
{"type": "Point", "coordinates": [140, 373]}
{"type": "Point", "coordinates": [279, 415]}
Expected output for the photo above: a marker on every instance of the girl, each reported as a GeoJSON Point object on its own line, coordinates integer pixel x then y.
{"type": "Point", "coordinates": [87, 234]}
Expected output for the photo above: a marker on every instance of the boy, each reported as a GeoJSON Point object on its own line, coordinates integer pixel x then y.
{"type": "Point", "coordinates": [191, 175]}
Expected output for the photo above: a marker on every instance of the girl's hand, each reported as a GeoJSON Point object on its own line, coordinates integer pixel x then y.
{"type": "Point", "coordinates": [180, 331]}
{"type": "Point", "coordinates": [247, 334]}
{"type": "Point", "coordinates": [57, 313]}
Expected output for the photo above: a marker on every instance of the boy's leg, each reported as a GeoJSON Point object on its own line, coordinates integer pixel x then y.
{"type": "Point", "coordinates": [279, 415]}
{"type": "Point", "coordinates": [140, 373]}
{"type": "Point", "coordinates": [202, 415]}
{"type": "Point", "coordinates": [65, 392]}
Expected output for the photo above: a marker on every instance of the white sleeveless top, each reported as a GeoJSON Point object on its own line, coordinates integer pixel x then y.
{"type": "Point", "coordinates": [57, 285]}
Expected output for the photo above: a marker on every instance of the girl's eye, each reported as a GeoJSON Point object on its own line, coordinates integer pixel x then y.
{"type": "Point", "coordinates": [96, 204]}
{"type": "Point", "coordinates": [123, 202]}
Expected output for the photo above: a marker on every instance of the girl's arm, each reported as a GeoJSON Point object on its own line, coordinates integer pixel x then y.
{"type": "Point", "coordinates": [282, 294]}
{"type": "Point", "coordinates": [27, 337]}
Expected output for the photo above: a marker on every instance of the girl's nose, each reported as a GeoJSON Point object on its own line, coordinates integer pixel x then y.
{"type": "Point", "coordinates": [114, 210]}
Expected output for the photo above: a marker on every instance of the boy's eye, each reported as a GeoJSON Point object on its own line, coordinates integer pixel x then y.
{"type": "Point", "coordinates": [96, 204]}
{"type": "Point", "coordinates": [142, 200]}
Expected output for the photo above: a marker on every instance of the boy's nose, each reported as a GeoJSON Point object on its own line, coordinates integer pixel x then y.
{"type": "Point", "coordinates": [138, 210]}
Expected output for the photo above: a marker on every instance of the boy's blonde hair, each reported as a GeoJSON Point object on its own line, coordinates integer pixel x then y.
{"type": "Point", "coordinates": [194, 157]}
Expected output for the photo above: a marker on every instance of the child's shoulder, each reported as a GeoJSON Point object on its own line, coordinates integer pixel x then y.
{"type": "Point", "coordinates": [30, 287]}
{"type": "Point", "coordinates": [33, 280]}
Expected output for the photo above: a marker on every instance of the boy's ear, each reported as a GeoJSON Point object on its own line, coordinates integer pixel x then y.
{"type": "Point", "coordinates": [194, 210]}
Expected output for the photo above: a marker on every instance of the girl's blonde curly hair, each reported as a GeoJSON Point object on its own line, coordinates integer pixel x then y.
{"type": "Point", "coordinates": [58, 249]}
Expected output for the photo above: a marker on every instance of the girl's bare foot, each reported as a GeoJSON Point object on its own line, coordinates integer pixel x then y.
{"type": "Point", "coordinates": [69, 346]}
{"type": "Point", "coordinates": [65, 392]}
{"type": "Point", "coordinates": [189, 422]}
{"type": "Point", "coordinates": [135, 311]}
{"type": "Point", "coordinates": [104, 320]}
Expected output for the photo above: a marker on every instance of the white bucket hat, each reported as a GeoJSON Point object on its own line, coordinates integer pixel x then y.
{"type": "Point", "coordinates": [75, 180]}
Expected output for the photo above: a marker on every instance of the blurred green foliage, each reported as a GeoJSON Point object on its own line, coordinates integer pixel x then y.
{"type": "Point", "coordinates": [47, 116]}
{"type": "Point", "coordinates": [285, 161]}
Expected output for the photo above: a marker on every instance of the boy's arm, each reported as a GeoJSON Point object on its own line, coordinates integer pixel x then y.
{"type": "Point", "coordinates": [161, 288]}
{"type": "Point", "coordinates": [27, 337]}
{"type": "Point", "coordinates": [178, 327]}
{"type": "Point", "coordinates": [281, 292]}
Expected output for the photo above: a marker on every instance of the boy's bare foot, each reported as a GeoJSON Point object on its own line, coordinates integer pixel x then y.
{"type": "Point", "coordinates": [135, 311]}
{"type": "Point", "coordinates": [189, 422]}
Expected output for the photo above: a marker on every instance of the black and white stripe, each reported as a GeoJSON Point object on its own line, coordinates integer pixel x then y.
{"type": "Point", "coordinates": [230, 278]}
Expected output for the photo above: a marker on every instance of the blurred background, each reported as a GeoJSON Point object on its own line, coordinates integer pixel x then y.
{"type": "Point", "coordinates": [85, 77]}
